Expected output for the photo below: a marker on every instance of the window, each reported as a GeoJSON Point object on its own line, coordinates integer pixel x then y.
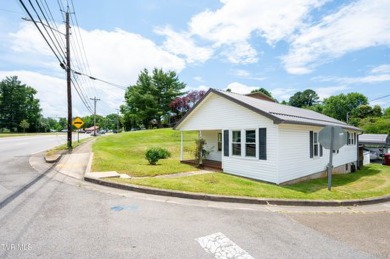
{"type": "Point", "coordinates": [236, 143]}
{"type": "Point", "coordinates": [315, 144]}
{"type": "Point", "coordinates": [250, 143]}
{"type": "Point", "coordinates": [351, 138]}
{"type": "Point", "coordinates": [219, 141]}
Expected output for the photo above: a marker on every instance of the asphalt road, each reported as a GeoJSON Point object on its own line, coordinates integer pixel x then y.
{"type": "Point", "coordinates": [54, 216]}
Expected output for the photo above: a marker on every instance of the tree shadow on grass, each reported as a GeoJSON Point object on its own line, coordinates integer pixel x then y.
{"type": "Point", "coordinates": [339, 180]}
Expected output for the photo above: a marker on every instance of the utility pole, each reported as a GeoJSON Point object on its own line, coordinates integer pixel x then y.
{"type": "Point", "coordinates": [94, 114]}
{"type": "Point", "coordinates": [68, 79]}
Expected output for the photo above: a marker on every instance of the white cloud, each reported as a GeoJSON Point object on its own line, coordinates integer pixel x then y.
{"type": "Point", "coordinates": [237, 19]}
{"type": "Point", "coordinates": [283, 94]}
{"type": "Point", "coordinates": [229, 29]}
{"type": "Point", "coordinates": [51, 91]}
{"type": "Point", "coordinates": [376, 78]}
{"type": "Point", "coordinates": [240, 88]}
{"type": "Point", "coordinates": [114, 56]}
{"type": "Point", "coordinates": [183, 44]}
{"type": "Point", "coordinates": [119, 56]}
{"type": "Point", "coordinates": [383, 69]}
{"type": "Point", "coordinates": [326, 92]}
{"type": "Point", "coordinates": [241, 73]}
{"type": "Point", "coordinates": [360, 25]}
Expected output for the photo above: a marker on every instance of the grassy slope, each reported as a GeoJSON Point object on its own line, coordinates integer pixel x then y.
{"type": "Point", "coordinates": [372, 181]}
{"type": "Point", "coordinates": [125, 152]}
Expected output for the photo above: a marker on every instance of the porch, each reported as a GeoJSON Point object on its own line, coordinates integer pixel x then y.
{"type": "Point", "coordinates": [208, 164]}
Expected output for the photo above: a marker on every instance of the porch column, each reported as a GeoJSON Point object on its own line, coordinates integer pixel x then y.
{"type": "Point", "coordinates": [181, 145]}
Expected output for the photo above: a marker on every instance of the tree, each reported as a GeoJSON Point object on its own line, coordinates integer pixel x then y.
{"type": "Point", "coordinates": [181, 105]}
{"type": "Point", "coordinates": [17, 103]}
{"type": "Point", "coordinates": [375, 125]}
{"type": "Point", "coordinates": [387, 112]}
{"type": "Point", "coordinates": [24, 125]}
{"type": "Point", "coordinates": [304, 99]}
{"type": "Point", "coordinates": [262, 90]}
{"type": "Point", "coordinates": [148, 100]}
{"type": "Point", "coordinates": [341, 105]}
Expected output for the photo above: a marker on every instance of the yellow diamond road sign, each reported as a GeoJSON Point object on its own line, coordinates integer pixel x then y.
{"type": "Point", "coordinates": [77, 122]}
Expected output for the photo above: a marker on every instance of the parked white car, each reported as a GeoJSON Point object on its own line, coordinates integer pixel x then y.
{"type": "Point", "coordinates": [374, 155]}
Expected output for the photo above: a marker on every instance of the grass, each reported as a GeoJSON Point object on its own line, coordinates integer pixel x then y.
{"type": "Point", "coordinates": [64, 147]}
{"type": "Point", "coordinates": [125, 152]}
{"type": "Point", "coordinates": [371, 181]}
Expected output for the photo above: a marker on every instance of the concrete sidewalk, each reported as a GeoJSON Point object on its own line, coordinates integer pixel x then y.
{"type": "Point", "coordinates": [78, 164]}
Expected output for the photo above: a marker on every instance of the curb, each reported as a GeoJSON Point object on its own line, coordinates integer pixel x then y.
{"type": "Point", "coordinates": [54, 158]}
{"type": "Point", "coordinates": [234, 199]}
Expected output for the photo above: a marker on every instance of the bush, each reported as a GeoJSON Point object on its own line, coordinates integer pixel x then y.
{"type": "Point", "coordinates": [155, 154]}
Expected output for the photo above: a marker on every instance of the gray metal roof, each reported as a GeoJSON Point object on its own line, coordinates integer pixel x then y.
{"type": "Point", "coordinates": [377, 139]}
{"type": "Point", "coordinates": [281, 113]}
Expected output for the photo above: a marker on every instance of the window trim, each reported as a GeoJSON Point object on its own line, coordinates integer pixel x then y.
{"type": "Point", "coordinates": [236, 143]}
{"type": "Point", "coordinates": [219, 141]}
{"type": "Point", "coordinates": [316, 149]}
{"type": "Point", "coordinates": [250, 143]}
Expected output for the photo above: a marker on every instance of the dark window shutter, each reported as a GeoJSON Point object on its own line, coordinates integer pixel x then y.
{"type": "Point", "coordinates": [321, 150]}
{"type": "Point", "coordinates": [263, 143]}
{"type": "Point", "coordinates": [226, 142]}
{"type": "Point", "coordinates": [348, 140]}
{"type": "Point", "coordinates": [311, 144]}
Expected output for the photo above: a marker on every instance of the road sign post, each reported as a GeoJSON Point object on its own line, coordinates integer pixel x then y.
{"type": "Point", "coordinates": [78, 123]}
{"type": "Point", "coordinates": [332, 138]}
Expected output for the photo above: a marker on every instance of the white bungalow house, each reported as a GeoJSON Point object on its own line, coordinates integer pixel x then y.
{"type": "Point", "coordinates": [264, 140]}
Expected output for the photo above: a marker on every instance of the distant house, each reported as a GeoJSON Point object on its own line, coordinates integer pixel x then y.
{"type": "Point", "coordinates": [379, 142]}
{"type": "Point", "coordinates": [264, 140]}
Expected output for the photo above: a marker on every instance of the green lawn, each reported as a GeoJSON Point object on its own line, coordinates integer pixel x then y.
{"type": "Point", "coordinates": [125, 153]}
{"type": "Point", "coordinates": [371, 181]}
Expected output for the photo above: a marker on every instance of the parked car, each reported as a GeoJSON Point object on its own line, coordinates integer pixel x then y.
{"type": "Point", "coordinates": [374, 155]}
{"type": "Point", "coordinates": [102, 132]}
{"type": "Point", "coordinates": [94, 133]}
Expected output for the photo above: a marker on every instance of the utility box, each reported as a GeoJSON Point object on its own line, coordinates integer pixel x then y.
{"type": "Point", "coordinates": [386, 159]}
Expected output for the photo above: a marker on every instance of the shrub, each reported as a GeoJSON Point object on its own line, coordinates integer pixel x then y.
{"type": "Point", "coordinates": [155, 154]}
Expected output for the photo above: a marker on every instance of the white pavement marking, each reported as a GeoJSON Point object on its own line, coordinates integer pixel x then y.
{"type": "Point", "coordinates": [222, 247]}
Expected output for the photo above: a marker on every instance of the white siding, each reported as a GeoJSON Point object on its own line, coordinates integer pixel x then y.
{"type": "Point", "coordinates": [216, 113]}
{"type": "Point", "coordinates": [294, 159]}
{"type": "Point", "coordinates": [211, 138]}
{"type": "Point", "coordinates": [288, 150]}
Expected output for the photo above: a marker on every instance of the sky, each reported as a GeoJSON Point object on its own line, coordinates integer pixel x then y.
{"type": "Point", "coordinates": [331, 47]}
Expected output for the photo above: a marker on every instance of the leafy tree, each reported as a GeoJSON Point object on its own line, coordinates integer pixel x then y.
{"type": "Point", "coordinates": [375, 125]}
{"type": "Point", "coordinates": [17, 103]}
{"type": "Point", "coordinates": [377, 111]}
{"type": "Point", "coordinates": [62, 124]}
{"type": "Point", "coordinates": [24, 125]}
{"type": "Point", "coordinates": [148, 100]}
{"type": "Point", "coordinates": [304, 99]}
{"type": "Point", "coordinates": [340, 105]}
{"type": "Point", "coordinates": [262, 90]}
{"type": "Point", "coordinates": [113, 121]}
{"type": "Point", "coordinates": [180, 105]}
{"type": "Point", "coordinates": [387, 112]}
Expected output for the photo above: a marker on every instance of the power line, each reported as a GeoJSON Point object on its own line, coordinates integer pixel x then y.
{"type": "Point", "coordinates": [101, 80]}
{"type": "Point", "coordinates": [36, 25]}
{"type": "Point", "coordinates": [379, 98]}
